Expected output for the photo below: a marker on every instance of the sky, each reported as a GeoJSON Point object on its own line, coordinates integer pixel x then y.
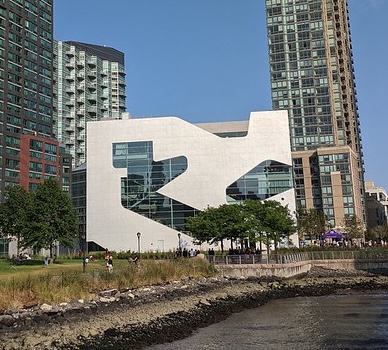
{"type": "Point", "coordinates": [207, 60]}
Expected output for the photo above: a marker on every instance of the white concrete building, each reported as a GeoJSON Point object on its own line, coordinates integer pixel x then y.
{"type": "Point", "coordinates": [148, 175]}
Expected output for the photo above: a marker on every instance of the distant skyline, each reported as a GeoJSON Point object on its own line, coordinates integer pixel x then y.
{"type": "Point", "coordinates": [206, 61]}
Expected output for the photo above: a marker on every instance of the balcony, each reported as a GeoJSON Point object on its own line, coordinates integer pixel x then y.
{"type": "Point", "coordinates": [69, 142]}
{"type": "Point", "coordinates": [92, 73]}
{"type": "Point", "coordinates": [70, 52]}
{"type": "Point", "coordinates": [70, 102]}
{"type": "Point", "coordinates": [92, 62]}
{"type": "Point", "coordinates": [70, 77]}
{"type": "Point", "coordinates": [81, 111]}
{"type": "Point", "coordinates": [92, 97]}
{"type": "Point", "coordinates": [70, 128]}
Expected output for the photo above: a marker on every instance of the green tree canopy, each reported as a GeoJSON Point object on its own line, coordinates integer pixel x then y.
{"type": "Point", "coordinates": [249, 221]}
{"type": "Point", "coordinates": [15, 212]}
{"type": "Point", "coordinates": [273, 222]}
{"type": "Point", "coordinates": [52, 219]}
{"type": "Point", "coordinates": [353, 227]}
{"type": "Point", "coordinates": [213, 225]}
{"type": "Point", "coordinates": [310, 222]}
{"type": "Point", "coordinates": [377, 233]}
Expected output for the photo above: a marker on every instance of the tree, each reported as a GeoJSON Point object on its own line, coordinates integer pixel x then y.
{"type": "Point", "coordinates": [202, 227]}
{"type": "Point", "coordinates": [250, 221]}
{"type": "Point", "coordinates": [213, 225]}
{"type": "Point", "coordinates": [53, 218]}
{"type": "Point", "coordinates": [277, 223]}
{"type": "Point", "coordinates": [353, 226]}
{"type": "Point", "coordinates": [15, 213]}
{"type": "Point", "coordinates": [255, 211]}
{"type": "Point", "coordinates": [272, 222]}
{"type": "Point", "coordinates": [378, 233]}
{"type": "Point", "coordinates": [310, 222]}
{"type": "Point", "coordinates": [235, 224]}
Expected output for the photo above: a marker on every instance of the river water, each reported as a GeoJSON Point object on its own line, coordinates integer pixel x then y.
{"type": "Point", "coordinates": [337, 322]}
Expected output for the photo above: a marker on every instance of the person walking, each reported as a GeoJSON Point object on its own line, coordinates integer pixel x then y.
{"type": "Point", "coordinates": [106, 256]}
{"type": "Point", "coordinates": [109, 264]}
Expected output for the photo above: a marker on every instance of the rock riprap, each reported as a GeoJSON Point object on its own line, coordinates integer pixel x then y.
{"type": "Point", "coordinates": [135, 318]}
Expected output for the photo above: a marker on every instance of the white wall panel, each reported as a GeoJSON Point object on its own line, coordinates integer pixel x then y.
{"type": "Point", "coordinates": [213, 164]}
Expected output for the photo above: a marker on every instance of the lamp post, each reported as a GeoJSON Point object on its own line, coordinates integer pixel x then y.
{"type": "Point", "coordinates": [179, 242]}
{"type": "Point", "coordinates": [83, 252]}
{"type": "Point", "coordinates": [138, 242]}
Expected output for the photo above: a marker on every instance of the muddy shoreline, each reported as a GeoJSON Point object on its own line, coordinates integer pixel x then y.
{"type": "Point", "coordinates": [134, 319]}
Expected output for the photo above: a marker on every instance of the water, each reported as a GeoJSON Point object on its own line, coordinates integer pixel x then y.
{"type": "Point", "coordinates": [338, 322]}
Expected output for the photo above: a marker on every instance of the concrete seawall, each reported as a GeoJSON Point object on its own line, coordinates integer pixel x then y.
{"type": "Point", "coordinates": [299, 268]}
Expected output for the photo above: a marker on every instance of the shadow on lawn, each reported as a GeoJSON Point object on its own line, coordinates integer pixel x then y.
{"type": "Point", "coordinates": [30, 262]}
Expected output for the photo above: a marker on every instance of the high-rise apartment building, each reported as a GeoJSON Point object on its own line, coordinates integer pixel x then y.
{"type": "Point", "coordinates": [312, 76]}
{"type": "Point", "coordinates": [89, 85]}
{"type": "Point", "coordinates": [26, 61]}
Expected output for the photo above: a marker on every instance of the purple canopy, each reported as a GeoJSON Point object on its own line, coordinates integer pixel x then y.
{"type": "Point", "coordinates": [333, 234]}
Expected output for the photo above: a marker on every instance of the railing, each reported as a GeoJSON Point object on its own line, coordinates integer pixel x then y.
{"type": "Point", "coordinates": [295, 257]}
{"type": "Point", "coordinates": [235, 259]}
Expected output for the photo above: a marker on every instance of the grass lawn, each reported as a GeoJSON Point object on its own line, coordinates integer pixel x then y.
{"type": "Point", "coordinates": [37, 267]}
{"type": "Point", "coordinates": [33, 282]}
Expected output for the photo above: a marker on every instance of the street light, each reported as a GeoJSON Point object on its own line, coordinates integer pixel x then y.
{"type": "Point", "coordinates": [138, 242]}
{"type": "Point", "coordinates": [83, 244]}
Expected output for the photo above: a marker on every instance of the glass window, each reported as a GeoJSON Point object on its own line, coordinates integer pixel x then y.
{"type": "Point", "coordinates": [144, 178]}
{"type": "Point", "coordinates": [264, 181]}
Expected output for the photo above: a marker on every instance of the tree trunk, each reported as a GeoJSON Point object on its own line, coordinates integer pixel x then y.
{"type": "Point", "coordinates": [268, 250]}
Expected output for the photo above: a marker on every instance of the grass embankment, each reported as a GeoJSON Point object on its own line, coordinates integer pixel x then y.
{"type": "Point", "coordinates": [34, 283]}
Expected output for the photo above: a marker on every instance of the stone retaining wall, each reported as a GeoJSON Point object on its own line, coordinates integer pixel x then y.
{"type": "Point", "coordinates": [299, 268]}
{"type": "Point", "coordinates": [265, 270]}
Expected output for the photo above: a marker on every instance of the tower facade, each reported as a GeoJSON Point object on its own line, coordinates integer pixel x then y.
{"type": "Point", "coordinates": [312, 76]}
{"type": "Point", "coordinates": [89, 85]}
{"type": "Point", "coordinates": [26, 73]}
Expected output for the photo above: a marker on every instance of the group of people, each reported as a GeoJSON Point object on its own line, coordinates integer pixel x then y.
{"type": "Point", "coordinates": [243, 251]}
{"type": "Point", "coordinates": [134, 259]}
{"type": "Point", "coordinates": [21, 257]}
{"type": "Point", "coordinates": [186, 253]}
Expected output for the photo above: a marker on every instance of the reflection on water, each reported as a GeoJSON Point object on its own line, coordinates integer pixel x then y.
{"type": "Point", "coordinates": [338, 322]}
